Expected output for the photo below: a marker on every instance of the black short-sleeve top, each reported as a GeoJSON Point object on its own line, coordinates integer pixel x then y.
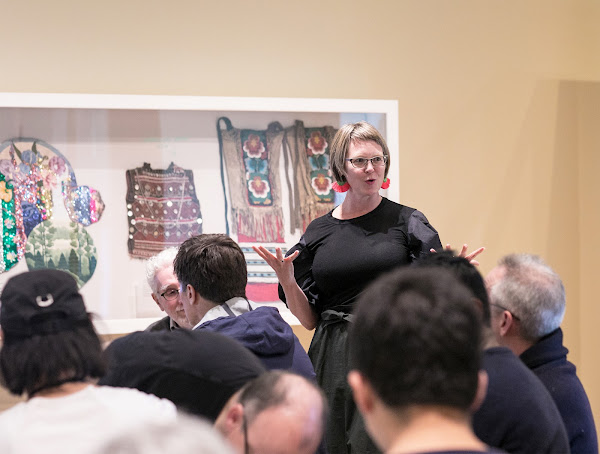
{"type": "Point", "coordinates": [339, 258]}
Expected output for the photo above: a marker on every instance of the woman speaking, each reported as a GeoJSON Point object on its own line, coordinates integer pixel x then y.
{"type": "Point", "coordinates": [339, 254]}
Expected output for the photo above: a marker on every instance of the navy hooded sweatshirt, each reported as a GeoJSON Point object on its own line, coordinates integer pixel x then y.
{"type": "Point", "coordinates": [266, 334]}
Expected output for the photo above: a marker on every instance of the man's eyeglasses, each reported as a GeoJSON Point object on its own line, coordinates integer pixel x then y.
{"type": "Point", "coordinates": [245, 428]}
{"type": "Point", "coordinates": [170, 294]}
{"type": "Point", "coordinates": [361, 163]}
{"type": "Point", "coordinates": [505, 309]}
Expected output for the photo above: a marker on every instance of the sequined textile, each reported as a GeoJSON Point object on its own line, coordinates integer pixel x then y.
{"type": "Point", "coordinates": [162, 209]}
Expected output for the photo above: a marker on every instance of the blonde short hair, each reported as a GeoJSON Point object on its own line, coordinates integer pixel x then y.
{"type": "Point", "coordinates": [354, 132]}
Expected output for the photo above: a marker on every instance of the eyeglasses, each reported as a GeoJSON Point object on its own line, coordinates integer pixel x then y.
{"type": "Point", "coordinates": [361, 163]}
{"type": "Point", "coordinates": [505, 309]}
{"type": "Point", "coordinates": [245, 428]}
{"type": "Point", "coordinates": [170, 294]}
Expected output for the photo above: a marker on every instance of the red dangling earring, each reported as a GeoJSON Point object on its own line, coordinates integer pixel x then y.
{"type": "Point", "coordinates": [386, 183]}
{"type": "Point", "coordinates": [340, 187]}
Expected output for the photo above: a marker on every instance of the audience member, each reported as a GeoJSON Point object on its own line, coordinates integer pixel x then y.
{"type": "Point", "coordinates": [278, 413]}
{"type": "Point", "coordinates": [165, 291]}
{"type": "Point", "coordinates": [528, 301]}
{"type": "Point", "coordinates": [212, 273]}
{"type": "Point", "coordinates": [518, 414]}
{"type": "Point", "coordinates": [197, 370]}
{"type": "Point", "coordinates": [415, 357]}
{"type": "Point", "coordinates": [52, 354]}
{"type": "Point", "coordinates": [187, 435]}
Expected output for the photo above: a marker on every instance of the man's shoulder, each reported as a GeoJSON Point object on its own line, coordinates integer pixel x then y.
{"type": "Point", "coordinates": [164, 324]}
{"type": "Point", "coordinates": [518, 413]}
{"type": "Point", "coordinates": [13, 414]}
{"type": "Point", "coordinates": [508, 376]}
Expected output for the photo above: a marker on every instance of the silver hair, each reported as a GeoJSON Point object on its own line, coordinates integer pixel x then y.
{"type": "Point", "coordinates": [157, 263]}
{"type": "Point", "coordinates": [185, 435]}
{"type": "Point", "coordinates": [533, 292]}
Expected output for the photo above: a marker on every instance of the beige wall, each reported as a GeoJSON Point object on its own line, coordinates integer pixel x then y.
{"type": "Point", "coordinates": [498, 128]}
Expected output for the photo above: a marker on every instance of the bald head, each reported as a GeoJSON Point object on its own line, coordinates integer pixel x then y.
{"type": "Point", "coordinates": [279, 412]}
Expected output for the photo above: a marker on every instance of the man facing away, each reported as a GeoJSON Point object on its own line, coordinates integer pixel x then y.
{"type": "Point", "coordinates": [528, 305]}
{"type": "Point", "coordinates": [212, 274]}
{"type": "Point", "coordinates": [415, 357]}
{"type": "Point", "coordinates": [518, 414]}
{"type": "Point", "coordinates": [277, 413]}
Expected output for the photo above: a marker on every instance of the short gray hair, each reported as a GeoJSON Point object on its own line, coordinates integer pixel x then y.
{"type": "Point", "coordinates": [533, 292]}
{"type": "Point", "coordinates": [157, 263]}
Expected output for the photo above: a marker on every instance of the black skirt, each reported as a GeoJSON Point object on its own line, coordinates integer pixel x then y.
{"type": "Point", "coordinates": [345, 432]}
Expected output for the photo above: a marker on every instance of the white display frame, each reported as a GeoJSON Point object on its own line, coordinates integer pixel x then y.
{"type": "Point", "coordinates": [386, 108]}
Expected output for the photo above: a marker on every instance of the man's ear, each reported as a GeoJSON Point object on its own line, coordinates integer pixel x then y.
{"type": "Point", "coordinates": [190, 293]}
{"type": "Point", "coordinates": [507, 321]}
{"type": "Point", "coordinates": [234, 418]}
{"type": "Point", "coordinates": [155, 298]}
{"type": "Point", "coordinates": [362, 391]}
{"type": "Point", "coordinates": [482, 386]}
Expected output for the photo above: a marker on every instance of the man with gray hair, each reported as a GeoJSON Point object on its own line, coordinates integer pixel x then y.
{"type": "Point", "coordinates": [165, 291]}
{"type": "Point", "coordinates": [528, 306]}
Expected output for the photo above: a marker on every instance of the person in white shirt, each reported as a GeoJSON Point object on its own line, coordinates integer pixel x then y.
{"type": "Point", "coordinates": [187, 435]}
{"type": "Point", "coordinates": [52, 355]}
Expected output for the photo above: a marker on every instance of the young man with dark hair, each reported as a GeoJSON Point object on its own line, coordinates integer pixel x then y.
{"type": "Point", "coordinates": [277, 413]}
{"type": "Point", "coordinates": [212, 265]}
{"type": "Point", "coordinates": [52, 354]}
{"type": "Point", "coordinates": [518, 414]}
{"type": "Point", "coordinates": [212, 274]}
{"type": "Point", "coordinates": [415, 355]}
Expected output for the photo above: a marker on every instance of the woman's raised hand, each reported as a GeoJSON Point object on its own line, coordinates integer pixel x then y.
{"type": "Point", "coordinates": [283, 266]}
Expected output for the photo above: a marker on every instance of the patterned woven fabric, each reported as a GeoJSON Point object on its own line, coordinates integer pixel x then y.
{"type": "Point", "coordinates": [162, 209]}
{"type": "Point", "coordinates": [251, 160]}
{"type": "Point", "coordinates": [309, 154]}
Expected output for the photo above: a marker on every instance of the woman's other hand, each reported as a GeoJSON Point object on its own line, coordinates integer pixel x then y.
{"type": "Point", "coordinates": [463, 253]}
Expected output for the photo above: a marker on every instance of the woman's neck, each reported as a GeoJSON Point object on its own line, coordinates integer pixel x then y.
{"type": "Point", "coordinates": [353, 207]}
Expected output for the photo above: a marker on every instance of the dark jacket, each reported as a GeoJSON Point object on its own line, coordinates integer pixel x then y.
{"type": "Point", "coordinates": [548, 360]}
{"type": "Point", "coordinates": [164, 324]}
{"type": "Point", "coordinates": [518, 414]}
{"type": "Point", "coordinates": [266, 334]}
